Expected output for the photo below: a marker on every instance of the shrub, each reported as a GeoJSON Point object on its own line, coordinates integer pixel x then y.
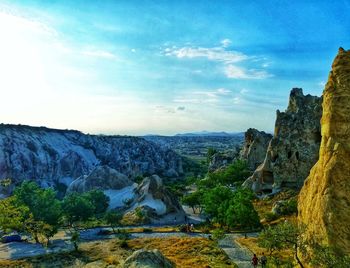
{"type": "Point", "coordinates": [218, 234]}
{"type": "Point", "coordinates": [270, 216]}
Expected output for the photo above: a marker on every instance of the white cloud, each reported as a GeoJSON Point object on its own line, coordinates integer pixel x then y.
{"type": "Point", "coordinates": [223, 91]}
{"type": "Point", "coordinates": [213, 54]}
{"type": "Point", "coordinates": [235, 72]}
{"type": "Point", "coordinates": [226, 42]}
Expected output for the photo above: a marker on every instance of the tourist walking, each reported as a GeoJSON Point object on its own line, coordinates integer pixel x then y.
{"type": "Point", "coordinates": [263, 260]}
{"type": "Point", "coordinates": [255, 261]}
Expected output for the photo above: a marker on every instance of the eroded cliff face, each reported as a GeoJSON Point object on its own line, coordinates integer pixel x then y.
{"type": "Point", "coordinates": [324, 201]}
{"type": "Point", "coordinates": [254, 148]}
{"type": "Point", "coordinates": [294, 147]}
{"type": "Point", "coordinates": [52, 157]}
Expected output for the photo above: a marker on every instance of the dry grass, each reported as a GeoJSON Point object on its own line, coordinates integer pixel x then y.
{"type": "Point", "coordinates": [252, 244]}
{"type": "Point", "coordinates": [185, 252]}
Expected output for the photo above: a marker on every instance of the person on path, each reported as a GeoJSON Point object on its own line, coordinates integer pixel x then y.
{"type": "Point", "coordinates": [255, 261]}
{"type": "Point", "coordinates": [263, 260]}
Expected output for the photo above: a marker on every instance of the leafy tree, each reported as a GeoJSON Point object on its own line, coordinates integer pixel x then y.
{"type": "Point", "coordinates": [43, 209]}
{"type": "Point", "coordinates": [283, 236]}
{"type": "Point", "coordinates": [241, 212]}
{"type": "Point", "coordinates": [326, 256]}
{"type": "Point", "coordinates": [77, 208]}
{"type": "Point", "coordinates": [113, 219]}
{"type": "Point", "coordinates": [194, 200]}
{"type": "Point", "coordinates": [215, 202]}
{"type": "Point", "coordinates": [12, 217]}
{"type": "Point", "coordinates": [232, 175]}
{"type": "Point", "coordinates": [99, 200]}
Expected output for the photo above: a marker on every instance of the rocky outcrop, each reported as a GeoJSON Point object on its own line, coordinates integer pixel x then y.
{"type": "Point", "coordinates": [57, 157]}
{"type": "Point", "coordinates": [222, 159]}
{"type": "Point", "coordinates": [147, 259]}
{"type": "Point", "coordinates": [102, 178]}
{"type": "Point", "coordinates": [294, 147]}
{"type": "Point", "coordinates": [254, 148]}
{"type": "Point", "coordinates": [152, 193]}
{"type": "Point", "coordinates": [324, 201]}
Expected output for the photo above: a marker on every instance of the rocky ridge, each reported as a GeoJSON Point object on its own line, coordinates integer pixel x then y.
{"type": "Point", "coordinates": [293, 150]}
{"type": "Point", "coordinates": [54, 157]}
{"type": "Point", "coordinates": [324, 201]}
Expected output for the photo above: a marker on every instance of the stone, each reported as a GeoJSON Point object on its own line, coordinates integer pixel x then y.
{"type": "Point", "coordinates": [294, 148]}
{"type": "Point", "coordinates": [147, 259]}
{"type": "Point", "coordinates": [324, 200]}
{"type": "Point", "coordinates": [102, 178]}
{"type": "Point", "coordinates": [254, 147]}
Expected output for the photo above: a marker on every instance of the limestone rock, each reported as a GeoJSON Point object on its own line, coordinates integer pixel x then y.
{"type": "Point", "coordinates": [324, 201]}
{"type": "Point", "coordinates": [147, 259]}
{"type": "Point", "coordinates": [152, 193]}
{"type": "Point", "coordinates": [294, 147]}
{"type": "Point", "coordinates": [255, 146]}
{"type": "Point", "coordinates": [102, 178]}
{"type": "Point", "coordinates": [222, 159]}
{"type": "Point", "coordinates": [53, 157]}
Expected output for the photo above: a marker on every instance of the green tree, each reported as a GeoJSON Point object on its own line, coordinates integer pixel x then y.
{"type": "Point", "coordinates": [241, 212]}
{"type": "Point", "coordinates": [99, 200]}
{"type": "Point", "coordinates": [43, 209]}
{"type": "Point", "coordinates": [215, 202]}
{"type": "Point", "coordinates": [113, 219]}
{"type": "Point", "coordinates": [326, 256]}
{"type": "Point", "coordinates": [77, 208]}
{"type": "Point", "coordinates": [12, 217]}
{"type": "Point", "coordinates": [194, 200]}
{"type": "Point", "coordinates": [284, 236]}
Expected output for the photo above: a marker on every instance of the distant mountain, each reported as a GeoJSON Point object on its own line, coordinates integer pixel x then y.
{"type": "Point", "coordinates": [212, 134]}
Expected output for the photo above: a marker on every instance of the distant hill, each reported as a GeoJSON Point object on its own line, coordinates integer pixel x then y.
{"type": "Point", "coordinates": [211, 134]}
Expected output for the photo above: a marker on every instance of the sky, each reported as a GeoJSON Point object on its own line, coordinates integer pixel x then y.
{"type": "Point", "coordinates": [163, 67]}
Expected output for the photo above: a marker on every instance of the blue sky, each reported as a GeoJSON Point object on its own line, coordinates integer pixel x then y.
{"type": "Point", "coordinates": [138, 67]}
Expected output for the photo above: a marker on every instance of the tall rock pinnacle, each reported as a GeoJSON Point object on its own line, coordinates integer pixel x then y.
{"type": "Point", "coordinates": [324, 201]}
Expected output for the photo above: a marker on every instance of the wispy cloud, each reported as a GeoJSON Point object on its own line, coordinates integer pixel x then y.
{"type": "Point", "coordinates": [226, 42]}
{"type": "Point", "coordinates": [213, 54]}
{"type": "Point", "coordinates": [235, 72]}
{"type": "Point", "coordinates": [228, 58]}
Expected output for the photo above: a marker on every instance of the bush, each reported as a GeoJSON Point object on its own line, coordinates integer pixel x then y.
{"type": "Point", "coordinates": [218, 234]}
{"type": "Point", "coordinates": [270, 216]}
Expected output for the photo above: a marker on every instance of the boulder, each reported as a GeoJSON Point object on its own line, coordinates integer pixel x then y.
{"type": "Point", "coordinates": [293, 150]}
{"type": "Point", "coordinates": [103, 178]}
{"type": "Point", "coordinates": [222, 159]}
{"type": "Point", "coordinates": [254, 147]}
{"type": "Point", "coordinates": [152, 193]}
{"type": "Point", "coordinates": [324, 200]}
{"type": "Point", "coordinates": [147, 259]}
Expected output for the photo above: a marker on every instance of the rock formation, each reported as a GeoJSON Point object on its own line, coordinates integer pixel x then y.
{"type": "Point", "coordinates": [57, 157]}
{"type": "Point", "coordinates": [254, 148]}
{"type": "Point", "coordinates": [222, 159]}
{"type": "Point", "coordinates": [324, 201]}
{"type": "Point", "coordinates": [147, 259]}
{"type": "Point", "coordinates": [294, 147]}
{"type": "Point", "coordinates": [152, 193]}
{"type": "Point", "coordinates": [102, 178]}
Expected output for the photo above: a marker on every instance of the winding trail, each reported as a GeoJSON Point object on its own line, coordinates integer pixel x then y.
{"type": "Point", "coordinates": [239, 255]}
{"type": "Point", "coordinates": [61, 243]}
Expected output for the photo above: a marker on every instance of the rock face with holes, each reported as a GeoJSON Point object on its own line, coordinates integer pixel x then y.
{"type": "Point", "coordinates": [324, 201]}
{"type": "Point", "coordinates": [255, 146]}
{"type": "Point", "coordinates": [294, 147]}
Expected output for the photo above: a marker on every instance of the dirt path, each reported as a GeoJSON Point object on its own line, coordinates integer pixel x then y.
{"type": "Point", "coordinates": [61, 243]}
{"type": "Point", "coordinates": [239, 255]}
